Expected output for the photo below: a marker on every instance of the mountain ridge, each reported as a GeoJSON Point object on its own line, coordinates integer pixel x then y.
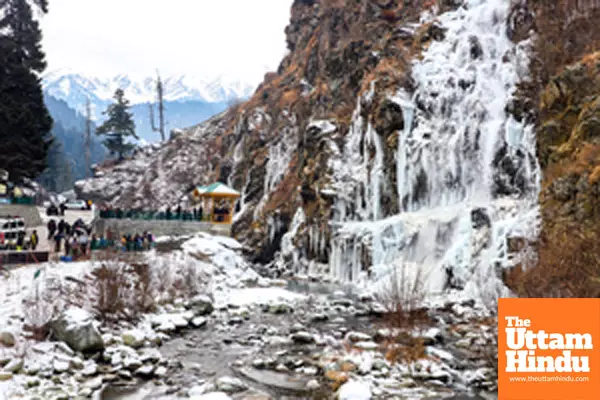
{"type": "Point", "coordinates": [187, 101]}
{"type": "Point", "coordinates": [64, 84]}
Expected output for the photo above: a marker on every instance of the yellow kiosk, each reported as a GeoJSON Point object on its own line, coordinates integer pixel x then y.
{"type": "Point", "coordinates": [219, 199]}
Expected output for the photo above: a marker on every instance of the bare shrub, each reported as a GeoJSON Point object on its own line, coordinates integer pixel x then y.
{"type": "Point", "coordinates": [403, 296]}
{"type": "Point", "coordinates": [41, 307]}
{"type": "Point", "coordinates": [111, 289]}
{"type": "Point", "coordinates": [143, 291]}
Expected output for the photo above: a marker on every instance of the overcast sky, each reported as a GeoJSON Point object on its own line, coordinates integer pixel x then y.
{"type": "Point", "coordinates": [240, 39]}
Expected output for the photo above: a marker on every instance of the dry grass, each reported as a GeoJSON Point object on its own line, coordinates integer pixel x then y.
{"type": "Point", "coordinates": [585, 160]}
{"type": "Point", "coordinates": [561, 41]}
{"type": "Point", "coordinates": [119, 288]}
{"type": "Point", "coordinates": [567, 265]}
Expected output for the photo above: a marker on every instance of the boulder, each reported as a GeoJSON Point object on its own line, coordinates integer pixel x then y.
{"type": "Point", "coordinates": [302, 338]}
{"type": "Point", "coordinates": [5, 376]}
{"type": "Point", "coordinates": [201, 305]}
{"type": "Point", "coordinates": [7, 338]}
{"type": "Point", "coordinates": [134, 338]}
{"type": "Point", "coordinates": [77, 328]}
{"type": "Point", "coordinates": [231, 385]}
{"type": "Point", "coordinates": [14, 365]}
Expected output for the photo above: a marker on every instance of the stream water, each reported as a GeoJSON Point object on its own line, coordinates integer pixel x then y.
{"type": "Point", "coordinates": [222, 348]}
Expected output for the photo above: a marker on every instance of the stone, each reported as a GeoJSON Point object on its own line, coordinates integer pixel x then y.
{"type": "Point", "coordinates": [151, 355]}
{"type": "Point", "coordinates": [303, 337]}
{"type": "Point", "coordinates": [65, 349]}
{"type": "Point", "coordinates": [5, 375]}
{"type": "Point", "coordinates": [94, 384]}
{"type": "Point", "coordinates": [377, 309]}
{"type": "Point", "coordinates": [167, 326]}
{"type": "Point", "coordinates": [319, 317]}
{"type": "Point", "coordinates": [60, 366]}
{"type": "Point", "coordinates": [31, 368]}
{"type": "Point", "coordinates": [366, 345]}
{"type": "Point", "coordinates": [160, 371]}
{"type": "Point", "coordinates": [201, 305]}
{"type": "Point", "coordinates": [297, 328]}
{"type": "Point", "coordinates": [145, 371]}
{"type": "Point", "coordinates": [132, 363]}
{"type": "Point", "coordinates": [313, 384]}
{"type": "Point", "coordinates": [179, 320]}
{"type": "Point", "coordinates": [133, 338]}
{"type": "Point", "coordinates": [342, 302]}
{"type": "Point", "coordinates": [281, 308]}
{"type": "Point", "coordinates": [32, 382]}
{"type": "Point", "coordinates": [14, 365]}
{"type": "Point", "coordinates": [76, 363]}
{"type": "Point", "coordinates": [432, 336]}
{"type": "Point", "coordinates": [258, 363]}
{"type": "Point", "coordinates": [230, 385]}
{"type": "Point", "coordinates": [358, 337]}
{"type": "Point", "coordinates": [77, 328]}
{"type": "Point", "coordinates": [198, 322]}
{"type": "Point", "coordinates": [90, 368]}
{"type": "Point", "coordinates": [7, 338]}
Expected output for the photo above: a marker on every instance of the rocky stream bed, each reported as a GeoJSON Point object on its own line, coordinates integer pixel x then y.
{"type": "Point", "coordinates": [264, 339]}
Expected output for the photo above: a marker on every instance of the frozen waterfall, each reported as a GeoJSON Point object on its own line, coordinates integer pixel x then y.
{"type": "Point", "coordinates": [467, 177]}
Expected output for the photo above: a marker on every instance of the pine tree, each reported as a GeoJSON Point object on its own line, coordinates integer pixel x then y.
{"type": "Point", "coordinates": [58, 177]}
{"type": "Point", "coordinates": [118, 127]}
{"type": "Point", "coordinates": [24, 120]}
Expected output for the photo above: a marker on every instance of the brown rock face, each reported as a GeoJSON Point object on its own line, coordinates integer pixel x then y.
{"type": "Point", "coordinates": [569, 142]}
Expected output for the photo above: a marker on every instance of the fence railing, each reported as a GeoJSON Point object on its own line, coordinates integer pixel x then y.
{"type": "Point", "coordinates": [17, 200]}
{"type": "Point", "coordinates": [160, 216]}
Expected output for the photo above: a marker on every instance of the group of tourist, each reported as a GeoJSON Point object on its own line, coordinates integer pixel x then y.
{"type": "Point", "coordinates": [74, 240]}
{"type": "Point", "coordinates": [169, 214]}
{"type": "Point", "coordinates": [194, 214]}
{"type": "Point", "coordinates": [137, 242]}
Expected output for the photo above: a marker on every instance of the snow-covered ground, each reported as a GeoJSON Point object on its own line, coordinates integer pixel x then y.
{"type": "Point", "coordinates": [219, 271]}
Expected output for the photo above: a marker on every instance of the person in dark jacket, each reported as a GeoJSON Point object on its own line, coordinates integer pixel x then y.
{"type": "Point", "coordinates": [57, 239]}
{"type": "Point", "coordinates": [178, 212]}
{"type": "Point", "coordinates": [61, 226]}
{"type": "Point", "coordinates": [51, 228]}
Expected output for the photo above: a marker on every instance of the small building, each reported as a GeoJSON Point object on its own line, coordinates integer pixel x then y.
{"type": "Point", "coordinates": [217, 200]}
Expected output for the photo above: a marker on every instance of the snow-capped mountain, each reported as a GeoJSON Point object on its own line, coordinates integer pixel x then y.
{"type": "Point", "coordinates": [74, 87]}
{"type": "Point", "coordinates": [188, 101]}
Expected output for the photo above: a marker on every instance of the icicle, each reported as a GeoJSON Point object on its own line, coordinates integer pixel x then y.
{"type": "Point", "coordinates": [455, 125]}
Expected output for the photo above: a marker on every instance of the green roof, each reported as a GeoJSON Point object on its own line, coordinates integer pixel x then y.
{"type": "Point", "coordinates": [217, 188]}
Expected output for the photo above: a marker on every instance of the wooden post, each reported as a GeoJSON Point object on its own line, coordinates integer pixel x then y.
{"type": "Point", "coordinates": [212, 218]}
{"type": "Point", "coordinates": [231, 210]}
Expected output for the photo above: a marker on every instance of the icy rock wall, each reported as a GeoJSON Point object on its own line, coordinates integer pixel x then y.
{"type": "Point", "coordinates": [467, 177]}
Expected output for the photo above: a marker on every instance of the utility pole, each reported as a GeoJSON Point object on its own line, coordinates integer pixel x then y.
{"type": "Point", "coordinates": [87, 142]}
{"type": "Point", "coordinates": [161, 110]}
